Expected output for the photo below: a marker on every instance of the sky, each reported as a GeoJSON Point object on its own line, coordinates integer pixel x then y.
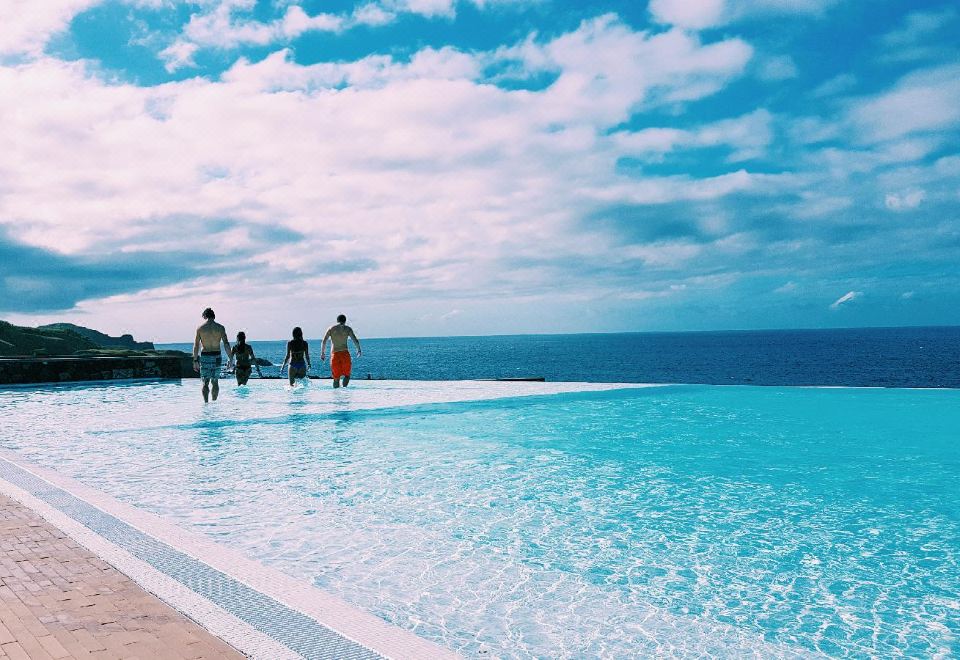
{"type": "Point", "coordinates": [457, 167]}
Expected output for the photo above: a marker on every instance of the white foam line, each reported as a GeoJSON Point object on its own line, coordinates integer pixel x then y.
{"type": "Point", "coordinates": [353, 623]}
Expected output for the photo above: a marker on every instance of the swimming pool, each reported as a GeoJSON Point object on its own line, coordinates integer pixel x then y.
{"type": "Point", "coordinates": [567, 522]}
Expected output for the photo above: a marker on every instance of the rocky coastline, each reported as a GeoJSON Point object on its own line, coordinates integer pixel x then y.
{"type": "Point", "coordinates": [64, 352]}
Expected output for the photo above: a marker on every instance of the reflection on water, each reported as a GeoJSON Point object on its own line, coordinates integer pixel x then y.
{"type": "Point", "coordinates": [661, 522]}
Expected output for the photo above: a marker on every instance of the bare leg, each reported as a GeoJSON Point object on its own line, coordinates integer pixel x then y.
{"type": "Point", "coordinates": [206, 390]}
{"type": "Point", "coordinates": [215, 390]}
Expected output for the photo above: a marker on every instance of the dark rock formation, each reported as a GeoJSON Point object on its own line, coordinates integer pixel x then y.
{"type": "Point", "coordinates": [101, 339]}
{"type": "Point", "coordinates": [17, 340]}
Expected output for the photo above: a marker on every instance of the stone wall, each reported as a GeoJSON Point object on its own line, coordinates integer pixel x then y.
{"type": "Point", "coordinates": [24, 371]}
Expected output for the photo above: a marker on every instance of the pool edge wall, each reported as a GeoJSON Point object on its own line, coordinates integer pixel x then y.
{"type": "Point", "coordinates": [26, 371]}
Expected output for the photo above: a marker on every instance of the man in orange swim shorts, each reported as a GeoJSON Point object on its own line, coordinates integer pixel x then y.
{"type": "Point", "coordinates": [340, 357]}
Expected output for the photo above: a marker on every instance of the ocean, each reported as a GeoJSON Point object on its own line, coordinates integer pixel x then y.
{"type": "Point", "coordinates": [880, 357]}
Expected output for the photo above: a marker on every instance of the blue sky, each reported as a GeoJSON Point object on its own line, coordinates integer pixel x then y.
{"type": "Point", "coordinates": [437, 167]}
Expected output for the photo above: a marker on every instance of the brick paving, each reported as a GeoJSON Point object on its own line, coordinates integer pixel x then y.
{"type": "Point", "coordinates": [58, 600]}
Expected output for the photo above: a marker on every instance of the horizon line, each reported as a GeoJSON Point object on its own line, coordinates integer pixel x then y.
{"type": "Point", "coordinates": [619, 332]}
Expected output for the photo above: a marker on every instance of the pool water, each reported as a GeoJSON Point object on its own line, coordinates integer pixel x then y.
{"type": "Point", "coordinates": [574, 521]}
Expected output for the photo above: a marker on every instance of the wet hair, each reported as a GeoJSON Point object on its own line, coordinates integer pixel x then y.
{"type": "Point", "coordinates": [241, 338]}
{"type": "Point", "coordinates": [341, 319]}
{"type": "Point", "coordinates": [297, 333]}
{"type": "Point", "coordinates": [208, 314]}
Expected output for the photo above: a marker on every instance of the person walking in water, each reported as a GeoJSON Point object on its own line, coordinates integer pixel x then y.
{"type": "Point", "coordinates": [245, 359]}
{"type": "Point", "coordinates": [208, 361]}
{"type": "Point", "coordinates": [340, 357]}
{"type": "Point", "coordinates": [298, 356]}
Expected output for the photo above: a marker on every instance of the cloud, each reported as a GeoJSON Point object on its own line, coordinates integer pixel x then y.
{"type": "Point", "coordinates": [415, 175]}
{"type": "Point", "coordinates": [837, 85]}
{"type": "Point", "coordinates": [778, 68]}
{"type": "Point", "coordinates": [702, 14]}
{"type": "Point", "coordinates": [693, 14]}
{"type": "Point", "coordinates": [923, 35]}
{"type": "Point", "coordinates": [747, 136]}
{"type": "Point", "coordinates": [229, 24]}
{"type": "Point", "coordinates": [920, 102]}
{"type": "Point", "coordinates": [846, 298]}
{"type": "Point", "coordinates": [609, 70]}
{"type": "Point", "coordinates": [28, 25]}
{"type": "Point", "coordinates": [585, 165]}
{"type": "Point", "coordinates": [34, 279]}
{"type": "Point", "coordinates": [220, 27]}
{"type": "Point", "coordinates": [906, 201]}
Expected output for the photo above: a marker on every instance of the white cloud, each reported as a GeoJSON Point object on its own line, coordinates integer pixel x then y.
{"type": "Point", "coordinates": [778, 68]}
{"type": "Point", "coordinates": [921, 101]}
{"type": "Point", "coordinates": [383, 168]}
{"type": "Point", "coordinates": [748, 136]}
{"type": "Point", "coordinates": [846, 298]}
{"type": "Point", "coordinates": [701, 14]}
{"type": "Point", "coordinates": [226, 24]}
{"type": "Point", "coordinates": [609, 71]}
{"type": "Point", "coordinates": [906, 201]}
{"type": "Point", "coordinates": [27, 25]}
{"type": "Point", "coordinates": [372, 14]}
{"type": "Point", "coordinates": [178, 55]}
{"type": "Point", "coordinates": [837, 85]}
{"type": "Point", "coordinates": [221, 28]}
{"type": "Point", "coordinates": [923, 35]}
{"type": "Point", "coordinates": [693, 14]}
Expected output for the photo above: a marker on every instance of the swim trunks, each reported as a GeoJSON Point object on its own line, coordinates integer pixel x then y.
{"type": "Point", "coordinates": [340, 364]}
{"type": "Point", "coordinates": [210, 365]}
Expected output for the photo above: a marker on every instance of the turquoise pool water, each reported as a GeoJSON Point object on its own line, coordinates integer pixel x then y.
{"type": "Point", "coordinates": [674, 520]}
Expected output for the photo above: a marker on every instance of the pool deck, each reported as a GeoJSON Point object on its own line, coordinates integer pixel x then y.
{"type": "Point", "coordinates": [243, 607]}
{"type": "Point", "coordinates": [59, 600]}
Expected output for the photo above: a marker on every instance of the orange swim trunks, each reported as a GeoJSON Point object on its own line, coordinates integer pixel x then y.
{"type": "Point", "coordinates": [340, 364]}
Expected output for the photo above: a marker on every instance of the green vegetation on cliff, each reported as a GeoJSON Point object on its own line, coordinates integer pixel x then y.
{"type": "Point", "coordinates": [101, 339]}
{"type": "Point", "coordinates": [67, 339]}
{"type": "Point", "coordinates": [18, 340]}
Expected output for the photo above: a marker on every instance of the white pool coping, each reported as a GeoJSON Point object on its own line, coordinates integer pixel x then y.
{"type": "Point", "coordinates": [352, 623]}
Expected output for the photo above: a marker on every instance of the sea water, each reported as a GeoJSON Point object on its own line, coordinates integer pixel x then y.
{"type": "Point", "coordinates": [886, 357]}
{"type": "Point", "coordinates": [667, 521]}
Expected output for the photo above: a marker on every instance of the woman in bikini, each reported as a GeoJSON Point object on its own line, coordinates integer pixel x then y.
{"type": "Point", "coordinates": [244, 358]}
{"type": "Point", "coordinates": [298, 355]}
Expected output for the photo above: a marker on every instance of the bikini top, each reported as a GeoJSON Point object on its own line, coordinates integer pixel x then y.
{"type": "Point", "coordinates": [297, 348]}
{"type": "Point", "coordinates": [242, 355]}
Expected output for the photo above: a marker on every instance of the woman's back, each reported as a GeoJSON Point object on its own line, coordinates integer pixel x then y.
{"type": "Point", "coordinates": [242, 355]}
{"type": "Point", "coordinates": [297, 348]}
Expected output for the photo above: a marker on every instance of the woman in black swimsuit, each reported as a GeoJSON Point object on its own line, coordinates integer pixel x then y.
{"type": "Point", "coordinates": [298, 355]}
{"type": "Point", "coordinates": [244, 359]}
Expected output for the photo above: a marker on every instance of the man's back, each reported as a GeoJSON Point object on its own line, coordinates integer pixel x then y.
{"type": "Point", "coordinates": [210, 334]}
{"type": "Point", "coordinates": [338, 336]}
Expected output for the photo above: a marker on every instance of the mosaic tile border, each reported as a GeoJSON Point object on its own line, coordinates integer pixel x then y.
{"type": "Point", "coordinates": [260, 611]}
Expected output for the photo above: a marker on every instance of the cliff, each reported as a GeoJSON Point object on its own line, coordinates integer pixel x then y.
{"type": "Point", "coordinates": [100, 339]}
{"type": "Point", "coordinates": [18, 340]}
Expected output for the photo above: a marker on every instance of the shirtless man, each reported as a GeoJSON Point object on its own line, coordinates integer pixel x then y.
{"type": "Point", "coordinates": [340, 356]}
{"type": "Point", "coordinates": [209, 336]}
